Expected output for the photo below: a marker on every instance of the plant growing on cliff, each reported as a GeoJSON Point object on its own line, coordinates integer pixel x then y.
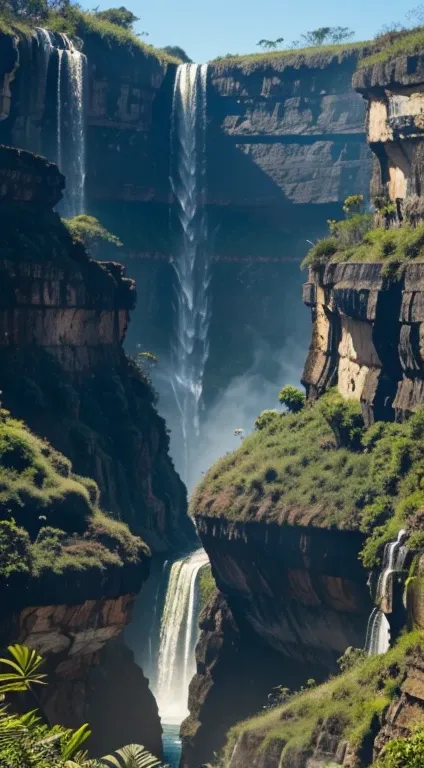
{"type": "Point", "coordinates": [93, 235]}
{"type": "Point", "coordinates": [403, 752]}
{"type": "Point", "coordinates": [120, 16]}
{"type": "Point", "coordinates": [326, 36]}
{"type": "Point", "coordinates": [292, 398]}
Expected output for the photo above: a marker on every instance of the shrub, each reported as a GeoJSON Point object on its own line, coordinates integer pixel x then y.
{"type": "Point", "coordinates": [345, 419]}
{"type": "Point", "coordinates": [93, 235]}
{"type": "Point", "coordinates": [403, 752]}
{"type": "Point", "coordinates": [267, 418]}
{"type": "Point", "coordinates": [292, 398]}
{"type": "Point", "coordinates": [15, 552]}
{"type": "Point", "coordinates": [321, 252]}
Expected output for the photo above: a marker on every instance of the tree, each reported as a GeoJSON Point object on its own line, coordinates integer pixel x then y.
{"type": "Point", "coordinates": [270, 44]}
{"type": "Point", "coordinates": [179, 53]}
{"type": "Point", "coordinates": [353, 204]}
{"type": "Point", "coordinates": [327, 35]}
{"type": "Point", "coordinates": [121, 16]}
{"type": "Point", "coordinates": [292, 398]}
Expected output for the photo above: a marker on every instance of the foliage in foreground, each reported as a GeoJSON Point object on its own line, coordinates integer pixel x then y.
{"type": "Point", "coordinates": [403, 753]}
{"type": "Point", "coordinates": [321, 467]}
{"type": "Point", "coordinates": [350, 704]}
{"type": "Point", "coordinates": [28, 741]}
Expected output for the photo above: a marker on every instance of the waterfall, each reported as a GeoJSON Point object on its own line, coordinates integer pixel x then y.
{"type": "Point", "coordinates": [68, 147]}
{"type": "Point", "coordinates": [178, 637]}
{"type": "Point", "coordinates": [378, 630]}
{"type": "Point", "coordinates": [190, 256]}
{"type": "Point", "coordinates": [71, 125]}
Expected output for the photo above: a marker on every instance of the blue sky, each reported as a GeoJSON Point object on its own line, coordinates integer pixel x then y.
{"type": "Point", "coordinates": [217, 27]}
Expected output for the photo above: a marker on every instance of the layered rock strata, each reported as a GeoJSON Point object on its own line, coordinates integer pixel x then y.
{"type": "Point", "coordinates": [297, 597]}
{"type": "Point", "coordinates": [63, 319]}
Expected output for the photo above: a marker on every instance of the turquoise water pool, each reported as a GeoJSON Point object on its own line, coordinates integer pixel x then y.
{"type": "Point", "coordinates": [171, 744]}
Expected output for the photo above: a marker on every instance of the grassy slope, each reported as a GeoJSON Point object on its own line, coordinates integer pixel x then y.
{"type": "Point", "coordinates": [81, 23]}
{"type": "Point", "coordinates": [319, 56]}
{"type": "Point", "coordinates": [291, 471]}
{"type": "Point", "coordinates": [348, 702]}
{"type": "Point", "coordinates": [407, 42]}
{"type": "Point", "coordinates": [50, 519]}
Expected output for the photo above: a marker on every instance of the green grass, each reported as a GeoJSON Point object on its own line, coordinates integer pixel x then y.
{"type": "Point", "coordinates": [207, 586]}
{"type": "Point", "coordinates": [291, 471]}
{"type": "Point", "coordinates": [81, 24]}
{"type": "Point", "coordinates": [408, 42]}
{"type": "Point", "coordinates": [292, 57]}
{"type": "Point", "coordinates": [50, 520]}
{"type": "Point", "coordinates": [348, 704]}
{"type": "Point", "coordinates": [391, 246]}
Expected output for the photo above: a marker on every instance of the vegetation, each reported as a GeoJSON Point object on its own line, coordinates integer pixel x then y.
{"type": "Point", "coordinates": [28, 741]}
{"type": "Point", "coordinates": [292, 398]}
{"type": "Point", "coordinates": [404, 41]}
{"type": "Point", "coordinates": [350, 705]}
{"type": "Point", "coordinates": [321, 467]}
{"type": "Point", "coordinates": [403, 753]}
{"type": "Point", "coordinates": [114, 25]}
{"type": "Point", "coordinates": [207, 586]}
{"type": "Point", "coordinates": [93, 235]}
{"type": "Point", "coordinates": [178, 53]}
{"type": "Point", "coordinates": [50, 521]}
{"type": "Point", "coordinates": [280, 59]}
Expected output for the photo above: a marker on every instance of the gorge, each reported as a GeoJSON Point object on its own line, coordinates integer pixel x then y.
{"type": "Point", "coordinates": [297, 572]}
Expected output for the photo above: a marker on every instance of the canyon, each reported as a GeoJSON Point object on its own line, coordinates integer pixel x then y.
{"type": "Point", "coordinates": [284, 144]}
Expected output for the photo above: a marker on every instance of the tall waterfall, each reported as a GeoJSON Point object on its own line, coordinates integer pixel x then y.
{"type": "Point", "coordinates": [68, 148]}
{"type": "Point", "coordinates": [178, 637]}
{"type": "Point", "coordinates": [378, 630]}
{"type": "Point", "coordinates": [190, 257]}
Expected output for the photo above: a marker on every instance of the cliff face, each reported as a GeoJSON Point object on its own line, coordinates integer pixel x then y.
{"type": "Point", "coordinates": [63, 320]}
{"type": "Point", "coordinates": [292, 600]}
{"type": "Point", "coordinates": [286, 131]}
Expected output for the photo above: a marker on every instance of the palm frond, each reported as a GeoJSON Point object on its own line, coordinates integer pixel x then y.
{"type": "Point", "coordinates": [25, 664]}
{"type": "Point", "coordinates": [131, 756]}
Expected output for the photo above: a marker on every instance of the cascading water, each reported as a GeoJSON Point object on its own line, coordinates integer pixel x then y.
{"type": "Point", "coordinates": [378, 630]}
{"type": "Point", "coordinates": [178, 637]}
{"type": "Point", "coordinates": [190, 258]}
{"type": "Point", "coordinates": [68, 147]}
{"type": "Point", "coordinates": [71, 125]}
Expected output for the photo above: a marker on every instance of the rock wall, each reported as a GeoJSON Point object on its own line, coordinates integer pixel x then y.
{"type": "Point", "coordinates": [395, 106]}
{"type": "Point", "coordinates": [88, 669]}
{"type": "Point", "coordinates": [63, 319]}
{"type": "Point", "coordinates": [294, 599]}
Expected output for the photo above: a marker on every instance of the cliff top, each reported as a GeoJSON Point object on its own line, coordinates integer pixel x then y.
{"type": "Point", "coordinates": [320, 468]}
{"type": "Point", "coordinates": [314, 58]}
{"type": "Point", "coordinates": [77, 23]}
{"type": "Point", "coordinates": [51, 525]}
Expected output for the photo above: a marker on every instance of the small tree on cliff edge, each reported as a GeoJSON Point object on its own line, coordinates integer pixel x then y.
{"type": "Point", "coordinates": [292, 398]}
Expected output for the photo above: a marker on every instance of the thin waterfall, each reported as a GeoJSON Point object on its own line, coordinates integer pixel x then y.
{"type": "Point", "coordinates": [67, 146]}
{"type": "Point", "coordinates": [71, 125]}
{"type": "Point", "coordinates": [378, 630]}
{"type": "Point", "coordinates": [190, 258]}
{"type": "Point", "coordinates": [178, 637]}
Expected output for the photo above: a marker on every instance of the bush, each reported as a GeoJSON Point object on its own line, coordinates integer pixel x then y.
{"type": "Point", "coordinates": [15, 552]}
{"type": "Point", "coordinates": [292, 398]}
{"type": "Point", "coordinates": [345, 419]}
{"type": "Point", "coordinates": [321, 252]}
{"type": "Point", "coordinates": [93, 235]}
{"type": "Point", "coordinates": [403, 753]}
{"type": "Point", "coordinates": [267, 419]}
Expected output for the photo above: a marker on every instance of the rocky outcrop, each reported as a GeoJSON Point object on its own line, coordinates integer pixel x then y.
{"type": "Point", "coordinates": [63, 319]}
{"type": "Point", "coordinates": [88, 669]}
{"type": "Point", "coordinates": [294, 599]}
{"type": "Point", "coordinates": [393, 90]}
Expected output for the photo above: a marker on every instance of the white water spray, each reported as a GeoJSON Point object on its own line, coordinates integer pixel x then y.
{"type": "Point", "coordinates": [190, 260]}
{"type": "Point", "coordinates": [378, 630]}
{"type": "Point", "coordinates": [178, 637]}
